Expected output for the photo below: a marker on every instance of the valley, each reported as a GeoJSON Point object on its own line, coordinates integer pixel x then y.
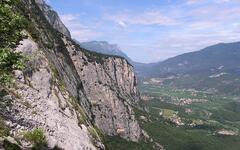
{"type": "Point", "coordinates": [186, 119]}
{"type": "Point", "coordinates": [188, 102]}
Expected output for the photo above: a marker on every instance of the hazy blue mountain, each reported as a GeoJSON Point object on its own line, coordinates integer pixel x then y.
{"type": "Point", "coordinates": [223, 56]}
{"type": "Point", "coordinates": [145, 70]}
{"type": "Point", "coordinates": [214, 68]}
{"type": "Point", "coordinates": [104, 48]}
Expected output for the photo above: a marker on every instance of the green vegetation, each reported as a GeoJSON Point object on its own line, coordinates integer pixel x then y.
{"type": "Point", "coordinates": [81, 115]}
{"type": "Point", "coordinates": [4, 130]}
{"type": "Point", "coordinates": [167, 92]}
{"type": "Point", "coordinates": [218, 112]}
{"type": "Point", "coordinates": [177, 138]}
{"type": "Point", "coordinates": [167, 113]}
{"type": "Point", "coordinates": [117, 143]}
{"type": "Point", "coordinates": [226, 84]}
{"type": "Point", "coordinates": [37, 138]}
{"type": "Point", "coordinates": [9, 61]}
{"type": "Point", "coordinates": [10, 146]}
{"type": "Point", "coordinates": [96, 134]}
{"type": "Point", "coordinates": [11, 25]}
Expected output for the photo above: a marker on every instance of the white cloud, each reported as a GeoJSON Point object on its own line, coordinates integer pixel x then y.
{"type": "Point", "coordinates": [202, 25]}
{"type": "Point", "coordinates": [85, 35]}
{"type": "Point", "coordinates": [186, 41]}
{"type": "Point", "coordinates": [139, 18]}
{"type": "Point", "coordinates": [69, 17]}
{"type": "Point", "coordinates": [78, 30]}
{"type": "Point", "coordinates": [190, 2]}
{"type": "Point", "coordinates": [121, 23]}
{"type": "Point", "coordinates": [193, 2]}
{"type": "Point", "coordinates": [223, 1]}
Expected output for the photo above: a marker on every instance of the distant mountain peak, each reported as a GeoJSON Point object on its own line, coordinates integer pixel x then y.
{"type": "Point", "coordinates": [104, 47]}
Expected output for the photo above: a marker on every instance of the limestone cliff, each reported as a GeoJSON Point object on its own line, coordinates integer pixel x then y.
{"type": "Point", "coordinates": [110, 86]}
{"type": "Point", "coordinates": [68, 91]}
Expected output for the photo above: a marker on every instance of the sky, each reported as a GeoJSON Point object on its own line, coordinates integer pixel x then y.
{"type": "Point", "coordinates": [152, 30]}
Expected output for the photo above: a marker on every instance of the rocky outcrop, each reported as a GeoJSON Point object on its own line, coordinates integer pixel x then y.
{"type": "Point", "coordinates": [110, 85]}
{"type": "Point", "coordinates": [39, 101]}
{"type": "Point", "coordinates": [53, 18]}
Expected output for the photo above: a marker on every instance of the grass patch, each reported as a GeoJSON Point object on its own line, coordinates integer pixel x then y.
{"type": "Point", "coordinates": [10, 146]}
{"type": "Point", "coordinates": [81, 115]}
{"type": "Point", "coordinates": [4, 130]}
{"type": "Point", "coordinates": [167, 113]}
{"type": "Point", "coordinates": [94, 133]}
{"type": "Point", "coordinates": [37, 138]}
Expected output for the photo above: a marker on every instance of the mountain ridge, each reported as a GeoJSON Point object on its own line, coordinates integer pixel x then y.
{"type": "Point", "coordinates": [53, 18]}
{"type": "Point", "coordinates": [219, 54]}
{"type": "Point", "coordinates": [215, 68]}
{"type": "Point", "coordinates": [104, 47]}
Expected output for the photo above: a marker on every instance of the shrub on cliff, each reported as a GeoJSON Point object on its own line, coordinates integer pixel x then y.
{"type": "Point", "coordinates": [11, 25]}
{"type": "Point", "coordinates": [37, 138]}
{"type": "Point", "coordinates": [4, 130]}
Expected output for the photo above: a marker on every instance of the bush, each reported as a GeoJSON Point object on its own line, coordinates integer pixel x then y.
{"type": "Point", "coordinates": [4, 130]}
{"type": "Point", "coordinates": [9, 61]}
{"type": "Point", "coordinates": [37, 138]}
{"type": "Point", "coordinates": [11, 25]}
{"type": "Point", "coordinates": [10, 146]}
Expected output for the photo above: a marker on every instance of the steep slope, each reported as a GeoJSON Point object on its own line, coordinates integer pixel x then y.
{"type": "Point", "coordinates": [110, 85]}
{"type": "Point", "coordinates": [68, 91]}
{"type": "Point", "coordinates": [53, 18]}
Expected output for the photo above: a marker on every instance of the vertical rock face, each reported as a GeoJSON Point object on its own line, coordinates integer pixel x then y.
{"type": "Point", "coordinates": [110, 85]}
{"type": "Point", "coordinates": [53, 18]}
